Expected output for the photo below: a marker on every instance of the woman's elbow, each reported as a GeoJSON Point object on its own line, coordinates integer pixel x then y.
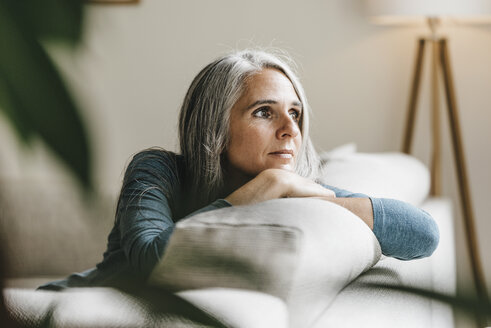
{"type": "Point", "coordinates": [426, 237]}
{"type": "Point", "coordinates": [430, 237]}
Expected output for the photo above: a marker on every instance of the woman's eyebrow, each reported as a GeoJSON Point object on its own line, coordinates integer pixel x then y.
{"type": "Point", "coordinates": [271, 102]}
{"type": "Point", "coordinates": [297, 103]}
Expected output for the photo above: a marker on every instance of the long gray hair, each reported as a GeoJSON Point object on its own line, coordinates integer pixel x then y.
{"type": "Point", "coordinates": [205, 114]}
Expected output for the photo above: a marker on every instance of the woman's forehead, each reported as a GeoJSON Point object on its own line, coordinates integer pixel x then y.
{"type": "Point", "coordinates": [270, 82]}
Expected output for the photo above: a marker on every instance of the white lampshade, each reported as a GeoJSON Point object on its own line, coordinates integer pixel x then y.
{"type": "Point", "coordinates": [408, 11]}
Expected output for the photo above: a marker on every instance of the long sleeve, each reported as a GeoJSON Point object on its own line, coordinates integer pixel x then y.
{"type": "Point", "coordinates": [144, 210]}
{"type": "Point", "coordinates": [403, 230]}
{"type": "Point", "coordinates": [149, 197]}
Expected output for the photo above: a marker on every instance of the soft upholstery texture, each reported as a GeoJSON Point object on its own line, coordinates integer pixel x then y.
{"type": "Point", "coordinates": [383, 175]}
{"type": "Point", "coordinates": [301, 250]}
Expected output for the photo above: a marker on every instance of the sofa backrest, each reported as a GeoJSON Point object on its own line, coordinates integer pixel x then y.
{"type": "Point", "coordinates": [383, 175]}
{"type": "Point", "coordinates": [48, 229]}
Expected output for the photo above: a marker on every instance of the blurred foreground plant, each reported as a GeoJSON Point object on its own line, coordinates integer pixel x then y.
{"type": "Point", "coordinates": [37, 103]}
{"type": "Point", "coordinates": [33, 95]}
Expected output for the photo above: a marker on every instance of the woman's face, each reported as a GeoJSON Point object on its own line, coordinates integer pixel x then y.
{"type": "Point", "coordinates": [264, 125]}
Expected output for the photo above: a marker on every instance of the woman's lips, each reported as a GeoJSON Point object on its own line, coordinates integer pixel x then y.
{"type": "Point", "coordinates": [286, 153]}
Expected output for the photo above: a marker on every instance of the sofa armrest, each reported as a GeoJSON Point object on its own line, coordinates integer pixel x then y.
{"type": "Point", "coordinates": [303, 251]}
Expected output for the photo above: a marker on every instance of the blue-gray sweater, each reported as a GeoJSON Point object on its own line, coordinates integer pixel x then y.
{"type": "Point", "coordinates": [153, 199]}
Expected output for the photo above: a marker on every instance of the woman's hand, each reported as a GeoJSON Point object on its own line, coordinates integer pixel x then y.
{"type": "Point", "coordinates": [277, 183]}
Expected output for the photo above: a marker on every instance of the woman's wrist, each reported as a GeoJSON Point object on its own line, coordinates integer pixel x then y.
{"type": "Point", "coordinates": [265, 186]}
{"type": "Point", "coordinates": [273, 183]}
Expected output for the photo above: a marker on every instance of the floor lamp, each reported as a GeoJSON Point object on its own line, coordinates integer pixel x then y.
{"type": "Point", "coordinates": [433, 12]}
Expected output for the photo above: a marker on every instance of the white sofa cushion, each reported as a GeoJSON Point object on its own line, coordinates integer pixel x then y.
{"type": "Point", "coordinates": [385, 175]}
{"type": "Point", "coordinates": [301, 250]}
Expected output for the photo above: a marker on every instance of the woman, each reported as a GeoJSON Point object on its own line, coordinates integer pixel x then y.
{"type": "Point", "coordinates": [244, 139]}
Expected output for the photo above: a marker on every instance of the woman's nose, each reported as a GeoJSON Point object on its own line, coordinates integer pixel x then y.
{"type": "Point", "coordinates": [288, 127]}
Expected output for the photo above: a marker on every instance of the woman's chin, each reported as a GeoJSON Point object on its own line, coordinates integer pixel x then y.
{"type": "Point", "coordinates": [283, 166]}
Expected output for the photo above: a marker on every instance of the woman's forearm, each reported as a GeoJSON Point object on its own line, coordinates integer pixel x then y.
{"type": "Point", "coordinates": [403, 230]}
{"type": "Point", "coordinates": [361, 207]}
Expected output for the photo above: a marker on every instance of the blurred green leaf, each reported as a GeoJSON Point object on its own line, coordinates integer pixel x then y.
{"type": "Point", "coordinates": [35, 98]}
{"type": "Point", "coordinates": [13, 112]}
{"type": "Point", "coordinates": [479, 309]}
{"type": "Point", "coordinates": [165, 305]}
{"type": "Point", "coordinates": [57, 19]}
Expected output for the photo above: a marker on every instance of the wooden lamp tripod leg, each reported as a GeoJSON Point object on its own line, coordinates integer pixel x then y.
{"type": "Point", "coordinates": [436, 175]}
{"type": "Point", "coordinates": [413, 100]}
{"type": "Point", "coordinates": [465, 197]}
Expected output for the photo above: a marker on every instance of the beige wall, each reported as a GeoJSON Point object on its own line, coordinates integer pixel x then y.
{"type": "Point", "coordinates": [136, 62]}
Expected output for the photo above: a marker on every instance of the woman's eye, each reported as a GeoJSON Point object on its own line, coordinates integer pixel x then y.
{"type": "Point", "coordinates": [295, 115]}
{"type": "Point", "coordinates": [262, 112]}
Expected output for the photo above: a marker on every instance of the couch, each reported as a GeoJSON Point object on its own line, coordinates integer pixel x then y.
{"type": "Point", "coordinates": [281, 263]}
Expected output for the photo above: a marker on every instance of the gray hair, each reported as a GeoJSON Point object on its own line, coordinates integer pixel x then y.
{"type": "Point", "coordinates": [205, 114]}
